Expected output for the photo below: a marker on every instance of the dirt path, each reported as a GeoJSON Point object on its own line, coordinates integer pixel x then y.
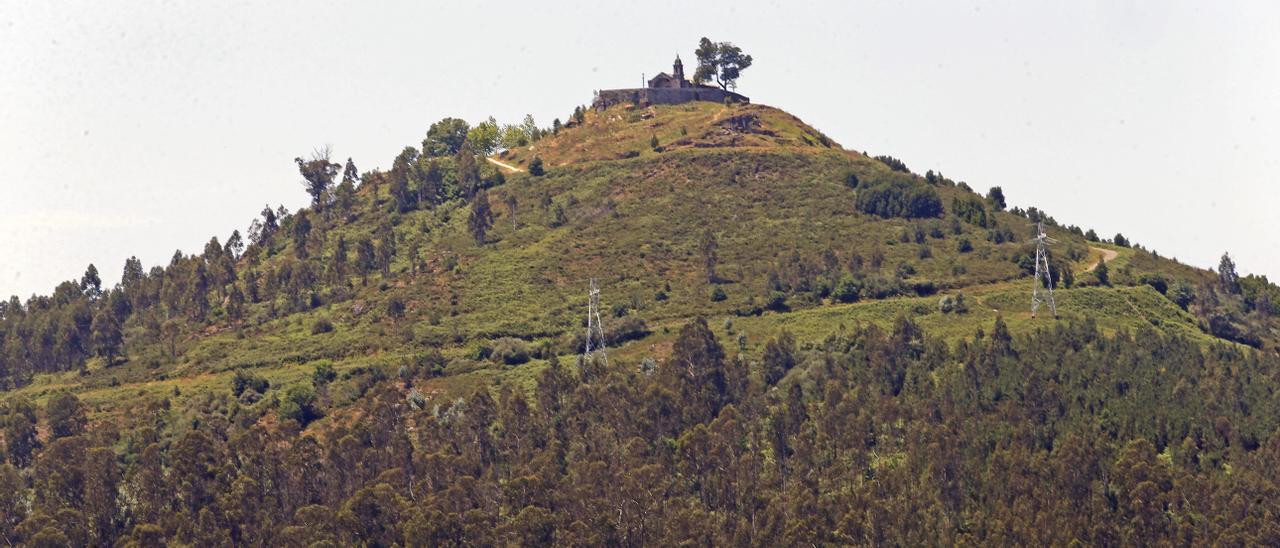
{"type": "Point", "coordinates": [1108, 255]}
{"type": "Point", "coordinates": [502, 164]}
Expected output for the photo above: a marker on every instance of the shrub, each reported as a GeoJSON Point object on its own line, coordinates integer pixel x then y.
{"type": "Point", "coordinates": [1102, 273]}
{"type": "Point", "coordinates": [963, 245]}
{"type": "Point", "coordinates": [299, 405]}
{"type": "Point", "coordinates": [1156, 281]}
{"type": "Point", "coordinates": [244, 380]}
{"type": "Point", "coordinates": [776, 302]}
{"type": "Point", "coordinates": [1121, 241]}
{"type": "Point", "coordinates": [953, 304]}
{"type": "Point", "coordinates": [559, 218]}
{"type": "Point", "coordinates": [510, 350]}
{"type": "Point", "coordinates": [970, 209]}
{"type": "Point", "coordinates": [1181, 294]}
{"type": "Point", "coordinates": [821, 288]}
{"type": "Point", "coordinates": [432, 361]}
{"type": "Point", "coordinates": [324, 373]}
{"type": "Point", "coordinates": [880, 287]}
{"type": "Point", "coordinates": [924, 288]}
{"type": "Point", "coordinates": [627, 329]}
{"type": "Point", "coordinates": [847, 289]}
{"type": "Point", "coordinates": [535, 167]}
{"type": "Point", "coordinates": [322, 325]}
{"type": "Point", "coordinates": [850, 179]}
{"type": "Point", "coordinates": [899, 198]}
{"type": "Point", "coordinates": [395, 307]}
{"type": "Point", "coordinates": [718, 295]}
{"type": "Point", "coordinates": [481, 352]}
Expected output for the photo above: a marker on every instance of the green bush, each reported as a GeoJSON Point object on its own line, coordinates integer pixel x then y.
{"type": "Point", "coordinates": [299, 405]}
{"type": "Point", "coordinates": [970, 208]}
{"type": "Point", "coordinates": [432, 361]}
{"type": "Point", "coordinates": [510, 350]}
{"type": "Point", "coordinates": [535, 167]}
{"type": "Point", "coordinates": [626, 329]}
{"type": "Point", "coordinates": [777, 301]}
{"type": "Point", "coordinates": [850, 179]}
{"type": "Point", "coordinates": [717, 294]}
{"type": "Point", "coordinates": [395, 307]}
{"type": "Point", "coordinates": [322, 325]}
{"type": "Point", "coordinates": [950, 304]}
{"type": "Point", "coordinates": [1181, 294]}
{"type": "Point", "coordinates": [1156, 281]}
{"type": "Point", "coordinates": [244, 380]}
{"type": "Point", "coordinates": [847, 289]}
{"type": "Point", "coordinates": [324, 373]}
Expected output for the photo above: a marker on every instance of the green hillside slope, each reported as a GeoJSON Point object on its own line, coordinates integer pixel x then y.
{"type": "Point", "coordinates": [774, 193]}
{"type": "Point", "coordinates": [709, 228]}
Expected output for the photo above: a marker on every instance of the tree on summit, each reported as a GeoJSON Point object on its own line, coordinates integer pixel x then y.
{"type": "Point", "coordinates": [318, 174]}
{"type": "Point", "coordinates": [350, 174]}
{"type": "Point", "coordinates": [445, 138]}
{"type": "Point", "coordinates": [721, 62]}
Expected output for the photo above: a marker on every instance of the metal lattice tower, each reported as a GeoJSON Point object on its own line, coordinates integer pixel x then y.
{"type": "Point", "coordinates": [1042, 287]}
{"type": "Point", "coordinates": [595, 330]}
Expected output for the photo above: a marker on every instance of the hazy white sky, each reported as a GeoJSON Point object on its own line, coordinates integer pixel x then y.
{"type": "Point", "coordinates": [137, 128]}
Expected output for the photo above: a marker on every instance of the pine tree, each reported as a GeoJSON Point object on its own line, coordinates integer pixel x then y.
{"type": "Point", "coordinates": [350, 175]}
{"type": "Point", "coordinates": [1227, 276]}
{"type": "Point", "coordinates": [91, 283]}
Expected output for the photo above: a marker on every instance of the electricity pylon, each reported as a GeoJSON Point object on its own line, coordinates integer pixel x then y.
{"type": "Point", "coordinates": [1042, 286]}
{"type": "Point", "coordinates": [595, 330]}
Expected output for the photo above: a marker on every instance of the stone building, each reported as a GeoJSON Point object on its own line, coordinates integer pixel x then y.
{"type": "Point", "coordinates": [665, 89]}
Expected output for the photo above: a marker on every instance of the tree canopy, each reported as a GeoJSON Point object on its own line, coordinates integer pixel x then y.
{"type": "Point", "coordinates": [445, 138]}
{"type": "Point", "coordinates": [720, 62]}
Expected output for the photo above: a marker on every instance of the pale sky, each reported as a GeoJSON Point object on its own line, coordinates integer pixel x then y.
{"type": "Point", "coordinates": [137, 128]}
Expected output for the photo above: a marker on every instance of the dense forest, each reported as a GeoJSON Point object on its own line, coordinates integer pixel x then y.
{"type": "Point", "coordinates": [872, 437]}
{"type": "Point", "coordinates": [392, 365]}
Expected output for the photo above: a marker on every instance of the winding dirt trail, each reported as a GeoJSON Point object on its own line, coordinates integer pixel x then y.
{"type": "Point", "coordinates": [1108, 255]}
{"type": "Point", "coordinates": [503, 164]}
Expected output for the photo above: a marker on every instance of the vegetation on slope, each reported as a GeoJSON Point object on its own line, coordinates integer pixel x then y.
{"type": "Point", "coordinates": [401, 291]}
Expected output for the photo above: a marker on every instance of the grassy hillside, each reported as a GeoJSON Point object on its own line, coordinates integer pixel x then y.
{"type": "Point", "coordinates": [803, 340]}
{"type": "Point", "coordinates": [773, 191]}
